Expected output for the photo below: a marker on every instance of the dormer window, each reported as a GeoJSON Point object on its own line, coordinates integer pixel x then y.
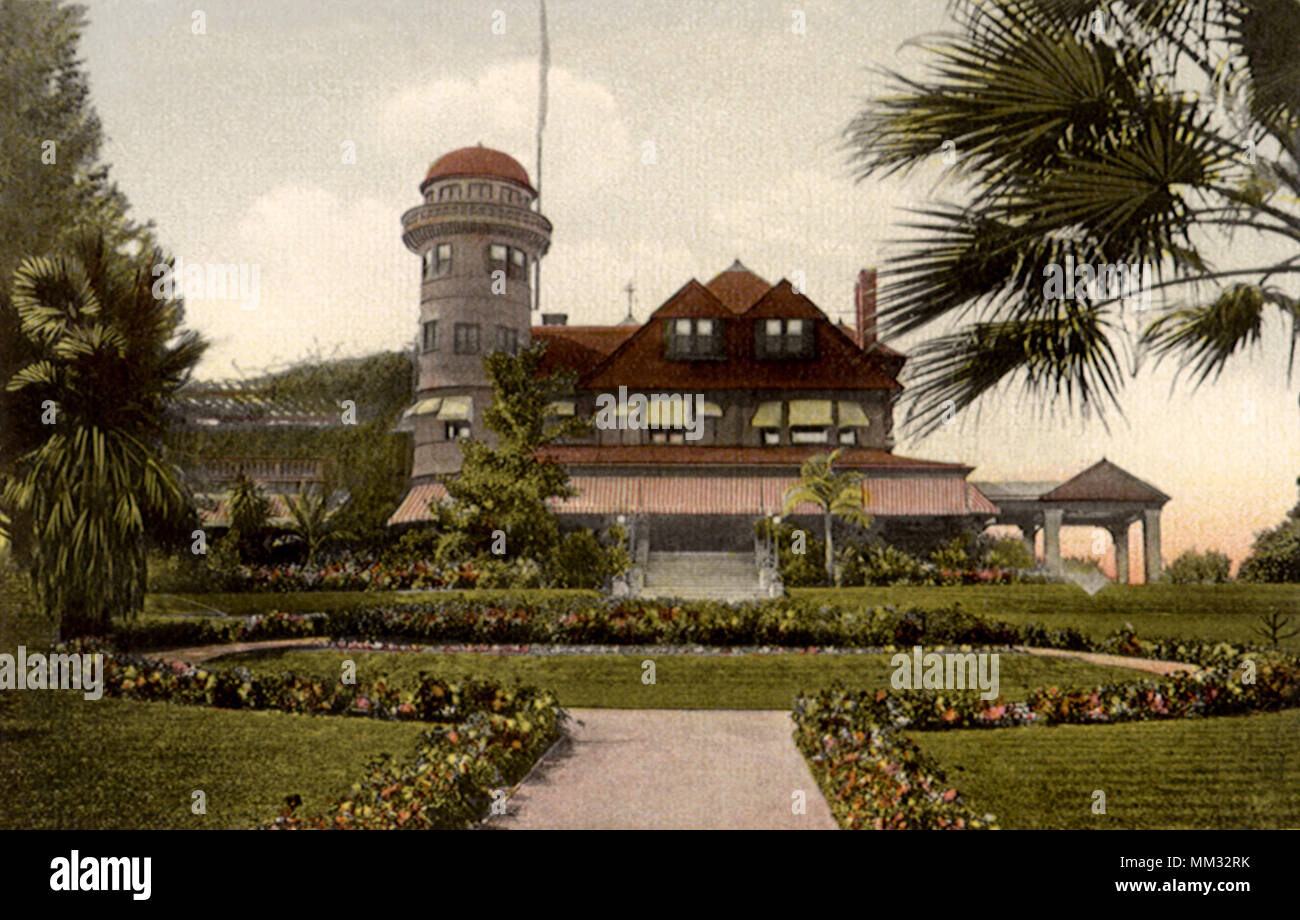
{"type": "Point", "coordinates": [784, 338]}
{"type": "Point", "coordinates": [437, 262]}
{"type": "Point", "coordinates": [693, 339]}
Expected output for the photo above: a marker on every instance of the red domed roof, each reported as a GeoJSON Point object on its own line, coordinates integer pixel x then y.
{"type": "Point", "coordinates": [481, 162]}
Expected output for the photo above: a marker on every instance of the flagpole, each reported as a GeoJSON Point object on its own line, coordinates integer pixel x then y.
{"type": "Point", "coordinates": [545, 64]}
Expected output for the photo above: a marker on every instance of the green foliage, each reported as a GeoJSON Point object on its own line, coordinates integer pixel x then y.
{"type": "Point", "coordinates": [836, 494]}
{"type": "Point", "coordinates": [505, 486]}
{"type": "Point", "coordinates": [250, 513]}
{"type": "Point", "coordinates": [581, 561]}
{"type": "Point", "coordinates": [1108, 149]}
{"type": "Point", "coordinates": [1275, 555]}
{"type": "Point", "coordinates": [1193, 568]}
{"type": "Point", "coordinates": [879, 563]}
{"type": "Point", "coordinates": [954, 555]}
{"type": "Point", "coordinates": [1009, 554]}
{"type": "Point", "coordinates": [106, 356]}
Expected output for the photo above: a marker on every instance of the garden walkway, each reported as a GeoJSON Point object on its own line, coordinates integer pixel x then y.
{"type": "Point", "coordinates": [1150, 665]}
{"type": "Point", "coordinates": [662, 769]}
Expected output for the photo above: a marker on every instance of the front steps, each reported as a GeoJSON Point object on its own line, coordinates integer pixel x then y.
{"type": "Point", "coordinates": [702, 576]}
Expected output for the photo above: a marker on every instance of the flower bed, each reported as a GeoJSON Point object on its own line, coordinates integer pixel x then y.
{"type": "Point", "coordinates": [487, 736]}
{"type": "Point", "coordinates": [873, 777]}
{"type": "Point", "coordinates": [352, 574]}
{"type": "Point", "coordinates": [786, 623]}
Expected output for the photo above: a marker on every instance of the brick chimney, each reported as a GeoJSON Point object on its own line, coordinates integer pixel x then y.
{"type": "Point", "coordinates": [864, 303]}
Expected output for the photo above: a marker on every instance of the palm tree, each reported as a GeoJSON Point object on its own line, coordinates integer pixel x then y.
{"type": "Point", "coordinates": [837, 494]}
{"type": "Point", "coordinates": [1097, 133]}
{"type": "Point", "coordinates": [105, 358]}
{"type": "Point", "coordinates": [311, 517]}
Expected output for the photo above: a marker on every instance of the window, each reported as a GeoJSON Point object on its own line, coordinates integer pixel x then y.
{"type": "Point", "coordinates": [507, 340]}
{"type": "Point", "coordinates": [771, 437]}
{"type": "Point", "coordinates": [667, 437]}
{"type": "Point", "coordinates": [456, 431]}
{"type": "Point", "coordinates": [512, 261]}
{"type": "Point", "coordinates": [849, 437]}
{"type": "Point", "coordinates": [784, 338]}
{"type": "Point", "coordinates": [807, 435]}
{"type": "Point", "coordinates": [437, 261]}
{"type": "Point", "coordinates": [466, 339]}
{"type": "Point", "coordinates": [693, 339]}
{"type": "Point", "coordinates": [449, 193]}
{"type": "Point", "coordinates": [430, 339]}
{"type": "Point", "coordinates": [480, 190]}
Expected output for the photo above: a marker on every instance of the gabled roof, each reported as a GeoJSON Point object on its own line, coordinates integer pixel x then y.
{"type": "Point", "coordinates": [639, 363]}
{"type": "Point", "coordinates": [1105, 482]}
{"type": "Point", "coordinates": [579, 348]}
{"type": "Point", "coordinates": [737, 287]}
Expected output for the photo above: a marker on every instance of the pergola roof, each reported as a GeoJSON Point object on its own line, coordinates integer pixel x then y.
{"type": "Point", "coordinates": [1105, 482]}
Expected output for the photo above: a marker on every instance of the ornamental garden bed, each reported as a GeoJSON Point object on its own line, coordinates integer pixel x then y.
{"type": "Point", "coordinates": [875, 776]}
{"type": "Point", "coordinates": [483, 736]}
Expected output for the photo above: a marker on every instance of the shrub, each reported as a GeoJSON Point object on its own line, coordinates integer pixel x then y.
{"type": "Point", "coordinates": [1193, 568]}
{"type": "Point", "coordinates": [954, 555]}
{"type": "Point", "coordinates": [581, 561]}
{"type": "Point", "coordinates": [1009, 553]}
{"type": "Point", "coordinates": [1275, 556]}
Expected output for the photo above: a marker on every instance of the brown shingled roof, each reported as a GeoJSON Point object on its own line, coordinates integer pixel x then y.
{"type": "Point", "coordinates": [738, 287]}
{"type": "Point", "coordinates": [1105, 482]}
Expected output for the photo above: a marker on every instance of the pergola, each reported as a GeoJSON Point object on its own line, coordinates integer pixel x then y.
{"type": "Point", "coordinates": [1103, 495]}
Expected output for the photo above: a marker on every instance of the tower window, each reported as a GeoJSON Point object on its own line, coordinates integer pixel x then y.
{"type": "Point", "coordinates": [430, 336]}
{"type": "Point", "coordinates": [507, 340]}
{"type": "Point", "coordinates": [480, 190]}
{"type": "Point", "coordinates": [449, 193]}
{"type": "Point", "coordinates": [437, 261]}
{"type": "Point", "coordinates": [466, 339]}
{"type": "Point", "coordinates": [456, 431]}
{"type": "Point", "coordinates": [784, 338]}
{"type": "Point", "coordinates": [512, 261]}
{"type": "Point", "coordinates": [693, 339]}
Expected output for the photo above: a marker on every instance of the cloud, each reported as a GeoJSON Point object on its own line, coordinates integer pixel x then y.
{"type": "Point", "coordinates": [586, 140]}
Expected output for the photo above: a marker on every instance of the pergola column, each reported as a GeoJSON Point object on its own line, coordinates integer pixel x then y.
{"type": "Point", "coordinates": [1052, 518]}
{"type": "Point", "coordinates": [1119, 534]}
{"type": "Point", "coordinates": [1151, 544]}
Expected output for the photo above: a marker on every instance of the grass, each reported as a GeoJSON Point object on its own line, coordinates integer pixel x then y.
{"type": "Point", "coordinates": [1214, 612]}
{"type": "Point", "coordinates": [1231, 772]}
{"type": "Point", "coordinates": [681, 681]}
{"type": "Point", "coordinates": [246, 604]}
{"type": "Point", "coordinates": [70, 763]}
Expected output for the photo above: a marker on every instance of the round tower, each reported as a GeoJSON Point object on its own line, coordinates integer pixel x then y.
{"type": "Point", "coordinates": [478, 238]}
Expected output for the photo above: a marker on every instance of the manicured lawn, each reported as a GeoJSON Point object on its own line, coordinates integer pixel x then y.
{"type": "Point", "coordinates": [1221, 773]}
{"type": "Point", "coordinates": [250, 603]}
{"type": "Point", "coordinates": [1216, 612]}
{"type": "Point", "coordinates": [682, 681]}
{"type": "Point", "coordinates": [66, 762]}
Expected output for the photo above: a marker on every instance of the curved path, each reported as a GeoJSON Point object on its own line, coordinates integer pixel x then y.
{"type": "Point", "coordinates": [666, 769]}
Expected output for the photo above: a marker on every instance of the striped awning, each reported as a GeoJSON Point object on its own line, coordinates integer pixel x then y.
{"type": "Point", "coordinates": [918, 496]}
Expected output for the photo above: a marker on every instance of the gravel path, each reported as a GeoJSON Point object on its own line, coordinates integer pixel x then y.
{"type": "Point", "coordinates": [1150, 665]}
{"type": "Point", "coordinates": [661, 769]}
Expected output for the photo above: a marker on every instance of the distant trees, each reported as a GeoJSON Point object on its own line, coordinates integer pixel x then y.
{"type": "Point", "coordinates": [1194, 568]}
{"type": "Point", "coordinates": [1275, 557]}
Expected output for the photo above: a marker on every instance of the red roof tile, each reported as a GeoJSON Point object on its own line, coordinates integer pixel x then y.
{"type": "Point", "coordinates": [481, 162]}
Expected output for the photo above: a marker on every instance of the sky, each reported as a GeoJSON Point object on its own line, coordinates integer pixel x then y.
{"type": "Point", "coordinates": [291, 136]}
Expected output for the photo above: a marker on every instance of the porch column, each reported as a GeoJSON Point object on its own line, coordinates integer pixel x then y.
{"type": "Point", "coordinates": [1119, 534]}
{"type": "Point", "coordinates": [1052, 518]}
{"type": "Point", "coordinates": [1151, 544]}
